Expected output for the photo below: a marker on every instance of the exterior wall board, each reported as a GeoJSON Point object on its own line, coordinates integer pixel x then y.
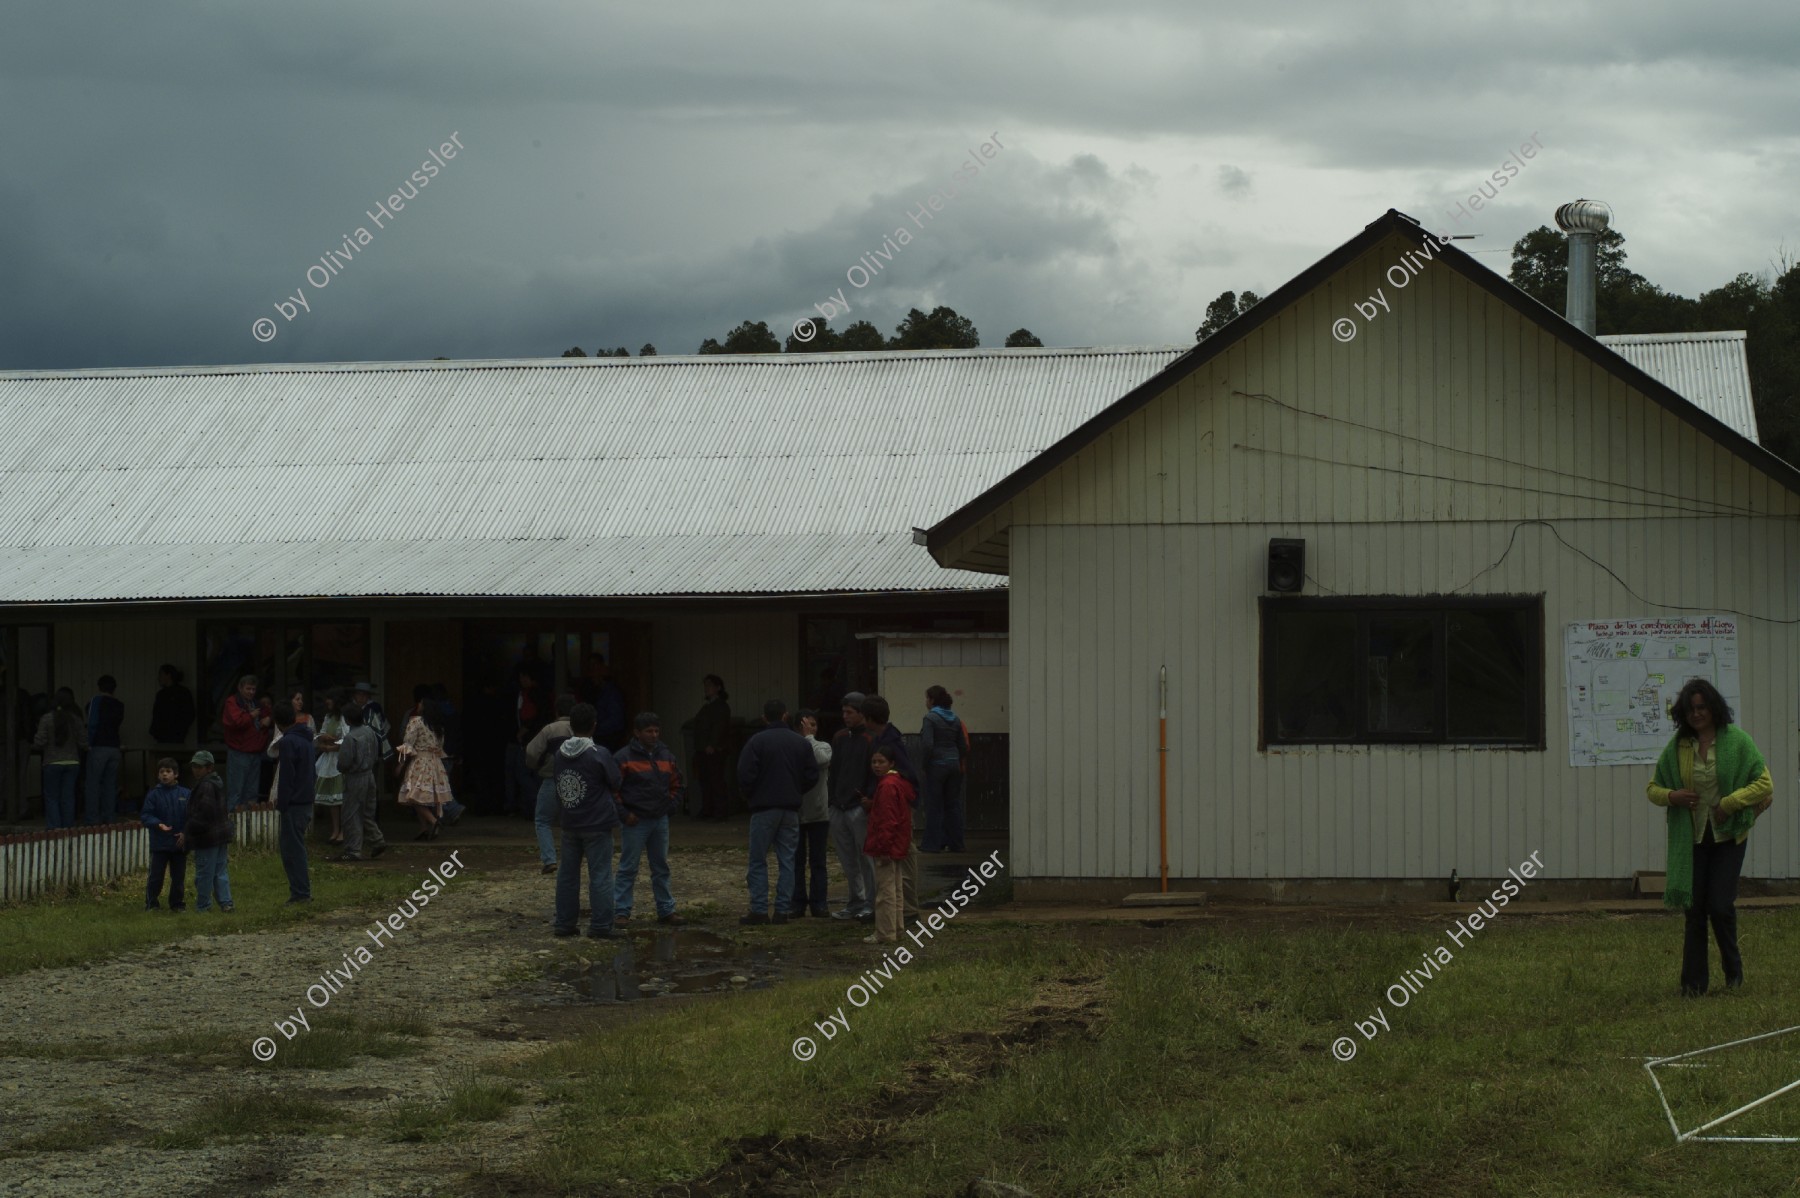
{"type": "Point", "coordinates": [1186, 595]}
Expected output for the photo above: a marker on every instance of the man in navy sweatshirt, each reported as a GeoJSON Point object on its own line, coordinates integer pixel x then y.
{"type": "Point", "coordinates": [294, 798]}
{"type": "Point", "coordinates": [587, 786]}
{"type": "Point", "coordinates": [775, 770]}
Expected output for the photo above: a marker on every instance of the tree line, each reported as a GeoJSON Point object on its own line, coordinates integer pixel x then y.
{"type": "Point", "coordinates": [942, 328]}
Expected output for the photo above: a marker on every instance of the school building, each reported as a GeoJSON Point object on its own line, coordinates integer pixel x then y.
{"type": "Point", "coordinates": [422, 522]}
{"type": "Point", "coordinates": [1413, 602]}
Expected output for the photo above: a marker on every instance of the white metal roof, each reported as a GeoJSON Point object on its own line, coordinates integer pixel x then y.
{"type": "Point", "coordinates": [1709, 370]}
{"type": "Point", "coordinates": [766, 474]}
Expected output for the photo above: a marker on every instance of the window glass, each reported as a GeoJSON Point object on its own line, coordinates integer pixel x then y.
{"type": "Point", "coordinates": [1489, 675]}
{"type": "Point", "coordinates": [1313, 672]}
{"type": "Point", "coordinates": [1403, 674]}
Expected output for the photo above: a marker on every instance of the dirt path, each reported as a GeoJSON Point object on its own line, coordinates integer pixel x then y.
{"type": "Point", "coordinates": [477, 962]}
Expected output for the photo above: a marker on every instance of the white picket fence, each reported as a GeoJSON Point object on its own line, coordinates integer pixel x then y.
{"type": "Point", "coordinates": [56, 862]}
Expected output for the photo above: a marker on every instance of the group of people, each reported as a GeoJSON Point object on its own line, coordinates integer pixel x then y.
{"type": "Point", "coordinates": [856, 792]}
{"type": "Point", "coordinates": [66, 733]}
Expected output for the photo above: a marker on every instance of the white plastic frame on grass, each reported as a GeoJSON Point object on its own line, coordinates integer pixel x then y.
{"type": "Point", "coordinates": [1694, 1136]}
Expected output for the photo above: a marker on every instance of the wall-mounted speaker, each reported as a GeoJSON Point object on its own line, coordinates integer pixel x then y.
{"type": "Point", "coordinates": [1287, 565]}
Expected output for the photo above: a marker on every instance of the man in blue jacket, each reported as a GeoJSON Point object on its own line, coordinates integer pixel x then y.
{"type": "Point", "coordinates": [650, 792]}
{"type": "Point", "coordinates": [294, 798]}
{"type": "Point", "coordinates": [165, 814]}
{"type": "Point", "coordinates": [775, 770]}
{"type": "Point", "coordinates": [587, 786]}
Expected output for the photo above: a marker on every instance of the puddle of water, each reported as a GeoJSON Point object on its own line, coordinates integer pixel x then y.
{"type": "Point", "coordinates": [687, 962]}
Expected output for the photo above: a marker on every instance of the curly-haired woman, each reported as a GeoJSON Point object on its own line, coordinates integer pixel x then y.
{"type": "Point", "coordinates": [1714, 783]}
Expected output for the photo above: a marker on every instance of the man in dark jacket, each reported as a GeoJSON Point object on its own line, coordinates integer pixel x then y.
{"type": "Point", "coordinates": [650, 793]}
{"type": "Point", "coordinates": [165, 814]}
{"type": "Point", "coordinates": [209, 834]}
{"type": "Point", "coordinates": [883, 735]}
{"type": "Point", "coordinates": [849, 822]}
{"type": "Point", "coordinates": [105, 716]}
{"type": "Point", "coordinates": [775, 770]}
{"type": "Point", "coordinates": [711, 726]}
{"type": "Point", "coordinates": [587, 786]}
{"type": "Point", "coordinates": [294, 798]}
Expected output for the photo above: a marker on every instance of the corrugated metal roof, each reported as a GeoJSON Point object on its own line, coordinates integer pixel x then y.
{"type": "Point", "coordinates": [1710, 370]}
{"type": "Point", "coordinates": [764, 474]}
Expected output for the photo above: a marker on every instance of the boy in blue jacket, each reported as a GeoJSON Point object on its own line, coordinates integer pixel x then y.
{"type": "Point", "coordinates": [165, 814]}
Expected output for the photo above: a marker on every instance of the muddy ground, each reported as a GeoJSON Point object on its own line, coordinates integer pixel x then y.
{"type": "Point", "coordinates": [478, 963]}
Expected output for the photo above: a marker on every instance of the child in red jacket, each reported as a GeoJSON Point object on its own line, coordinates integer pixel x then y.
{"type": "Point", "coordinates": [888, 843]}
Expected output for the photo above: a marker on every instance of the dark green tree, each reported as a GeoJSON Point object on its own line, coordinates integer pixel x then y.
{"type": "Point", "coordinates": [751, 338]}
{"type": "Point", "coordinates": [621, 352]}
{"type": "Point", "coordinates": [709, 346]}
{"type": "Point", "coordinates": [824, 340]}
{"type": "Point", "coordinates": [647, 351]}
{"type": "Point", "coordinates": [1625, 301]}
{"type": "Point", "coordinates": [1022, 339]}
{"type": "Point", "coordinates": [862, 337]}
{"type": "Point", "coordinates": [575, 352]}
{"type": "Point", "coordinates": [943, 329]}
{"type": "Point", "coordinates": [1222, 311]}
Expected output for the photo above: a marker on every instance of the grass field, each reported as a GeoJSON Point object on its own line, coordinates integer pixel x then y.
{"type": "Point", "coordinates": [1202, 1065]}
{"type": "Point", "coordinates": [1193, 1058]}
{"type": "Point", "coordinates": [101, 921]}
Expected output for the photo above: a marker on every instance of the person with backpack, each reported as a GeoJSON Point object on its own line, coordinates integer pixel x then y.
{"type": "Point", "coordinates": [944, 746]}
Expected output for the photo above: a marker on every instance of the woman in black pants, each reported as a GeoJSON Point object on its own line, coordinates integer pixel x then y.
{"type": "Point", "coordinates": [1713, 780]}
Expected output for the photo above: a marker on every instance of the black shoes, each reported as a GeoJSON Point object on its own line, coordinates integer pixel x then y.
{"type": "Point", "coordinates": [563, 931]}
{"type": "Point", "coordinates": [757, 917]}
{"type": "Point", "coordinates": [296, 901]}
{"type": "Point", "coordinates": [548, 869]}
{"type": "Point", "coordinates": [671, 918]}
{"type": "Point", "coordinates": [378, 850]}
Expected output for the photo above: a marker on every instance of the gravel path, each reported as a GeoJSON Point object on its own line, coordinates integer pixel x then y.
{"type": "Point", "coordinates": [474, 962]}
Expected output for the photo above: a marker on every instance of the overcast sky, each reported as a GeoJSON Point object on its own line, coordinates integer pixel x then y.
{"type": "Point", "coordinates": [633, 173]}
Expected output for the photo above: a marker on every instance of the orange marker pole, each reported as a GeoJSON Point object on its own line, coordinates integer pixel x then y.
{"type": "Point", "coordinates": [1162, 772]}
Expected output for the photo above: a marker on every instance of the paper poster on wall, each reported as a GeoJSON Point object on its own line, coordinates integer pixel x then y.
{"type": "Point", "coordinates": [1621, 676]}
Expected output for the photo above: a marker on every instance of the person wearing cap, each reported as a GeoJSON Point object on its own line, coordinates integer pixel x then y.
{"type": "Point", "coordinates": [208, 834]}
{"type": "Point", "coordinates": [650, 792]}
{"type": "Point", "coordinates": [849, 821]}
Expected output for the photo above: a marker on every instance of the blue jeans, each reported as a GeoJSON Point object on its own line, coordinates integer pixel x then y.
{"type": "Point", "coordinates": [102, 785]}
{"type": "Point", "coordinates": [652, 834]}
{"type": "Point", "coordinates": [547, 807]}
{"type": "Point", "coordinates": [176, 864]}
{"type": "Point", "coordinates": [942, 799]}
{"type": "Point", "coordinates": [243, 771]}
{"type": "Point", "coordinates": [59, 795]}
{"type": "Point", "coordinates": [596, 849]}
{"type": "Point", "coordinates": [294, 823]}
{"type": "Point", "coordinates": [781, 828]}
{"type": "Point", "coordinates": [210, 877]}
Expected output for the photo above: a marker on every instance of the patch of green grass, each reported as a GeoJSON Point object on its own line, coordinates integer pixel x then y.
{"type": "Point", "coordinates": [470, 1099]}
{"type": "Point", "coordinates": [674, 1091]}
{"type": "Point", "coordinates": [83, 1134]}
{"type": "Point", "coordinates": [1515, 1069]}
{"type": "Point", "coordinates": [337, 1039]}
{"type": "Point", "coordinates": [237, 1116]}
{"type": "Point", "coordinates": [103, 922]}
{"type": "Point", "coordinates": [192, 1046]}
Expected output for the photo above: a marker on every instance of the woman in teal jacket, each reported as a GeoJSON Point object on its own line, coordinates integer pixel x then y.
{"type": "Point", "coordinates": [1714, 783]}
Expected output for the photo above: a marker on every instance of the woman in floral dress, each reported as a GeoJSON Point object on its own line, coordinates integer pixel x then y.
{"type": "Point", "coordinates": [426, 786]}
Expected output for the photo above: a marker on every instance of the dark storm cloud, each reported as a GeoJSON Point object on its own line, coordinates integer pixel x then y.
{"type": "Point", "coordinates": [657, 173]}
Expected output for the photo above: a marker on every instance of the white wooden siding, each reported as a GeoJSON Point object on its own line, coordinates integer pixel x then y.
{"type": "Point", "coordinates": [1097, 610]}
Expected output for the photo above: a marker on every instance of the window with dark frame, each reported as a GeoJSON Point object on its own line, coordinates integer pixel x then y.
{"type": "Point", "coordinates": [1443, 670]}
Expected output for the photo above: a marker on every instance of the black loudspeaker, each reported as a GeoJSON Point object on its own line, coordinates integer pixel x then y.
{"type": "Point", "coordinates": [1287, 565]}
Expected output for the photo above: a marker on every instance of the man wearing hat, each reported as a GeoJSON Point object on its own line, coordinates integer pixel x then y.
{"type": "Point", "coordinates": [652, 788]}
{"type": "Point", "coordinates": [358, 756]}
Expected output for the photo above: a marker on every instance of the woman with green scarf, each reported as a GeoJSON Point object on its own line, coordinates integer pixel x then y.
{"type": "Point", "coordinates": [1714, 783]}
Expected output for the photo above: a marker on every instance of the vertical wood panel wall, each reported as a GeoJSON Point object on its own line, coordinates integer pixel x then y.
{"type": "Point", "coordinates": [758, 655]}
{"type": "Point", "coordinates": [1085, 679]}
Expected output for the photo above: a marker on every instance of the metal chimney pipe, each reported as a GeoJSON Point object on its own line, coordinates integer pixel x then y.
{"type": "Point", "coordinates": [1583, 221]}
